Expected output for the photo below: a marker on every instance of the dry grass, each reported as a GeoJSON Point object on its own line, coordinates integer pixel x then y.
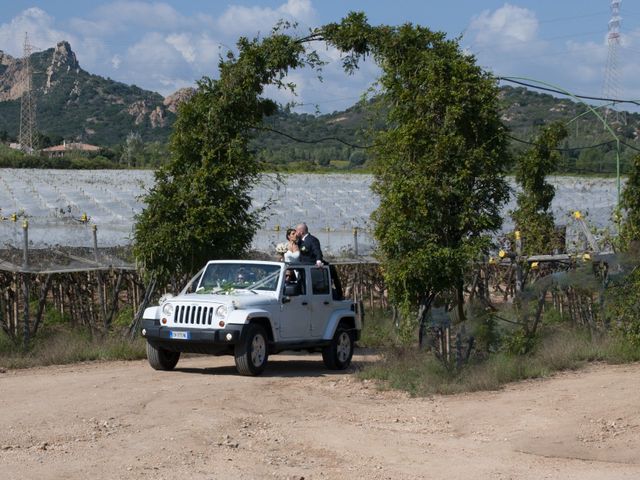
{"type": "Point", "coordinates": [419, 373]}
{"type": "Point", "coordinates": [63, 345]}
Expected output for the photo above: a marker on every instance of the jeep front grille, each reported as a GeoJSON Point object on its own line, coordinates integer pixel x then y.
{"type": "Point", "coordinates": [193, 314]}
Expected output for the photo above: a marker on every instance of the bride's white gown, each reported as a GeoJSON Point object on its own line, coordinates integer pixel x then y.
{"type": "Point", "coordinates": [291, 257]}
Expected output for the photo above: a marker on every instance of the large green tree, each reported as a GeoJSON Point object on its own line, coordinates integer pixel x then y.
{"type": "Point", "coordinates": [533, 215]}
{"type": "Point", "coordinates": [630, 203]}
{"type": "Point", "coordinates": [439, 165]}
{"type": "Point", "coordinates": [200, 206]}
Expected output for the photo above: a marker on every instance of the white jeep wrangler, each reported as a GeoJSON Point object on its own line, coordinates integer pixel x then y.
{"type": "Point", "coordinates": [251, 309]}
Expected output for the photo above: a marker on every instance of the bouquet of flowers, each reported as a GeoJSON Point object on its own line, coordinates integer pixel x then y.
{"type": "Point", "coordinates": [282, 248]}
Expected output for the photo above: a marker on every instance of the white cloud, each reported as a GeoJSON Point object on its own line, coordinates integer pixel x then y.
{"type": "Point", "coordinates": [170, 85]}
{"type": "Point", "coordinates": [154, 53]}
{"type": "Point", "coordinates": [176, 46]}
{"type": "Point", "coordinates": [40, 27]}
{"type": "Point", "coordinates": [208, 51]}
{"type": "Point", "coordinates": [119, 16]}
{"type": "Point", "coordinates": [504, 25]}
{"type": "Point", "coordinates": [92, 52]}
{"type": "Point", "coordinates": [164, 63]}
{"type": "Point", "coordinates": [240, 20]}
{"type": "Point", "coordinates": [183, 43]}
{"type": "Point", "coordinates": [336, 91]}
{"type": "Point", "coordinates": [298, 9]}
{"type": "Point", "coordinates": [116, 61]}
{"type": "Point", "coordinates": [506, 42]}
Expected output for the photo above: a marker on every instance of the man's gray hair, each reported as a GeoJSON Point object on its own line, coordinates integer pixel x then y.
{"type": "Point", "coordinates": [303, 226]}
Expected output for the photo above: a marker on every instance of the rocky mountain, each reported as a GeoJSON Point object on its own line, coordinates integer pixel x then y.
{"type": "Point", "coordinates": [78, 106]}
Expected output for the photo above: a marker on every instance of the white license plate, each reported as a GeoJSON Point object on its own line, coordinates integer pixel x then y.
{"type": "Point", "coordinates": [179, 335]}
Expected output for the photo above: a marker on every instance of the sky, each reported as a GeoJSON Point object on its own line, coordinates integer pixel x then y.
{"type": "Point", "coordinates": [164, 46]}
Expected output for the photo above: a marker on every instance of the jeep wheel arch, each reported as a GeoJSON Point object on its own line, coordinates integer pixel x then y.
{"type": "Point", "coordinates": [337, 355]}
{"type": "Point", "coordinates": [252, 351]}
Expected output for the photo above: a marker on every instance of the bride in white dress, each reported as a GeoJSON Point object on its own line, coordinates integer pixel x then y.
{"type": "Point", "coordinates": [292, 255]}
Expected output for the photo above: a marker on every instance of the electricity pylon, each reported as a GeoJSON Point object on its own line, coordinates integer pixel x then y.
{"type": "Point", "coordinates": [26, 137]}
{"type": "Point", "coordinates": [611, 88]}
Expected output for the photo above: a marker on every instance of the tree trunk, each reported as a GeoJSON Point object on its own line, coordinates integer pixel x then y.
{"type": "Point", "coordinates": [114, 301]}
{"type": "Point", "coordinates": [460, 302]}
{"type": "Point", "coordinates": [538, 316]}
{"type": "Point", "coordinates": [423, 310]}
{"type": "Point", "coordinates": [26, 327]}
{"type": "Point", "coordinates": [133, 328]}
{"type": "Point", "coordinates": [41, 303]}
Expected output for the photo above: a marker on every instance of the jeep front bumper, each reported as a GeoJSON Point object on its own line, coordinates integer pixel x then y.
{"type": "Point", "coordinates": [193, 340]}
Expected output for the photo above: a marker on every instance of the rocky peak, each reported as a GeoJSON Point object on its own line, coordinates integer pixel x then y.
{"type": "Point", "coordinates": [6, 59]}
{"type": "Point", "coordinates": [175, 99]}
{"type": "Point", "coordinates": [63, 60]}
{"type": "Point", "coordinates": [138, 110]}
{"type": "Point", "coordinates": [64, 56]}
{"type": "Point", "coordinates": [11, 86]}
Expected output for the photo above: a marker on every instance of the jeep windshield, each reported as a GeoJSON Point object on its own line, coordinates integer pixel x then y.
{"type": "Point", "coordinates": [225, 278]}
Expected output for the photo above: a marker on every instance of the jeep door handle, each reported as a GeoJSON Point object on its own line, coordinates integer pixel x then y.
{"type": "Point", "coordinates": [305, 303]}
{"type": "Point", "coordinates": [326, 302]}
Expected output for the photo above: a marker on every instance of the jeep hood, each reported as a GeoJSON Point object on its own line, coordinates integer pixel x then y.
{"type": "Point", "coordinates": [239, 299]}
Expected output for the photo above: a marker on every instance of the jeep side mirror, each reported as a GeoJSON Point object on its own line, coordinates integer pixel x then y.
{"type": "Point", "coordinates": [286, 299]}
{"type": "Point", "coordinates": [291, 290]}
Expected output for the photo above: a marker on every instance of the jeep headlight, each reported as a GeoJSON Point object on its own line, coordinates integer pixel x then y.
{"type": "Point", "coordinates": [221, 312]}
{"type": "Point", "coordinates": [167, 309]}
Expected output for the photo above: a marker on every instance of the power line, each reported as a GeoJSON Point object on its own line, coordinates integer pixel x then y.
{"type": "Point", "coordinates": [319, 140]}
{"type": "Point", "coordinates": [576, 17]}
{"type": "Point", "coordinates": [586, 97]}
{"type": "Point", "coordinates": [572, 149]}
{"type": "Point", "coordinates": [630, 146]}
{"type": "Point", "coordinates": [512, 137]}
{"type": "Point", "coordinates": [557, 149]}
{"type": "Point", "coordinates": [572, 35]}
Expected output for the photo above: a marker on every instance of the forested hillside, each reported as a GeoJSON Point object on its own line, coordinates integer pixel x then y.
{"type": "Point", "coordinates": [78, 106]}
{"type": "Point", "coordinates": [75, 105]}
{"type": "Point", "coordinates": [523, 111]}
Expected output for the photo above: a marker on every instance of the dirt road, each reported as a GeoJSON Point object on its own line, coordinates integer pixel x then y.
{"type": "Point", "coordinates": [123, 420]}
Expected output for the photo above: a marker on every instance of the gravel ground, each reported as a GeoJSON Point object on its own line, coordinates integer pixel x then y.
{"type": "Point", "coordinates": [122, 420]}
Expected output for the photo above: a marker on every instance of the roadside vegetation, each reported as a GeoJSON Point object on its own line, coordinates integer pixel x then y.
{"type": "Point", "coordinates": [59, 342]}
{"type": "Point", "coordinates": [560, 319]}
{"type": "Point", "coordinates": [558, 347]}
{"type": "Point", "coordinates": [440, 176]}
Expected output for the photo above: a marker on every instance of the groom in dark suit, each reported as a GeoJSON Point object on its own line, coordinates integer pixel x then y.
{"type": "Point", "coordinates": [310, 251]}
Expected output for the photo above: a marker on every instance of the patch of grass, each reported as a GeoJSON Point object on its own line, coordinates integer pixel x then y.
{"type": "Point", "coordinates": [378, 330]}
{"type": "Point", "coordinates": [124, 317]}
{"type": "Point", "coordinates": [59, 346]}
{"type": "Point", "coordinates": [420, 373]}
{"type": "Point", "coordinates": [341, 164]}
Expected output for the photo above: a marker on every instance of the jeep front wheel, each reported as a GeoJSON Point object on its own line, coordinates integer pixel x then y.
{"type": "Point", "coordinates": [161, 359]}
{"type": "Point", "coordinates": [251, 353]}
{"type": "Point", "coordinates": [337, 356]}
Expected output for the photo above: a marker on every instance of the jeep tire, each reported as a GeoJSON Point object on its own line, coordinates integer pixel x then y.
{"type": "Point", "coordinates": [161, 359]}
{"type": "Point", "coordinates": [252, 351]}
{"type": "Point", "coordinates": [337, 355]}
